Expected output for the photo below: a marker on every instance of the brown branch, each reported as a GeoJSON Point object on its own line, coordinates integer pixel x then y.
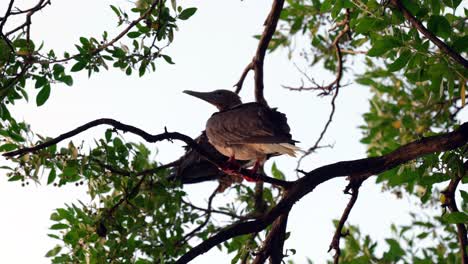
{"type": "Point", "coordinates": [257, 62]}
{"type": "Point", "coordinates": [274, 242]}
{"type": "Point", "coordinates": [335, 244]}
{"type": "Point", "coordinates": [29, 12]}
{"type": "Point", "coordinates": [450, 202]}
{"type": "Point", "coordinates": [147, 137]}
{"type": "Point", "coordinates": [7, 14]}
{"type": "Point", "coordinates": [40, 5]}
{"type": "Point", "coordinates": [239, 84]}
{"type": "Point", "coordinates": [356, 168]}
{"type": "Point", "coordinates": [324, 130]}
{"type": "Point", "coordinates": [428, 34]}
{"type": "Point", "coordinates": [206, 210]}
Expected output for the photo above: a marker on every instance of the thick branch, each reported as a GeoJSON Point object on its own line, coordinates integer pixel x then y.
{"type": "Point", "coordinates": [147, 137]}
{"type": "Point", "coordinates": [428, 34]}
{"type": "Point", "coordinates": [356, 168]}
{"type": "Point", "coordinates": [257, 62]}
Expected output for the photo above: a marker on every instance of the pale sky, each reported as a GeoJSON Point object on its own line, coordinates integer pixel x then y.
{"type": "Point", "coordinates": [210, 51]}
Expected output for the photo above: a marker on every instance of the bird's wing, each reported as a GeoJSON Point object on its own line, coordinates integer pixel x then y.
{"type": "Point", "coordinates": [249, 123]}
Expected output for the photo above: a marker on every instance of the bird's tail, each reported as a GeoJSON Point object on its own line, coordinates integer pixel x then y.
{"type": "Point", "coordinates": [289, 149]}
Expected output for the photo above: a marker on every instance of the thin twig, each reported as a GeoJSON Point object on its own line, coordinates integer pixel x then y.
{"type": "Point", "coordinates": [189, 235]}
{"type": "Point", "coordinates": [274, 242]}
{"type": "Point", "coordinates": [335, 84]}
{"type": "Point", "coordinates": [353, 189]}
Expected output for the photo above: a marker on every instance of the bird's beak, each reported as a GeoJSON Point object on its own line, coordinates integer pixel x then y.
{"type": "Point", "coordinates": [204, 96]}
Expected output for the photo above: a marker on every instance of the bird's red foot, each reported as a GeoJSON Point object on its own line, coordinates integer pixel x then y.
{"type": "Point", "coordinates": [252, 175]}
{"type": "Point", "coordinates": [250, 178]}
{"type": "Point", "coordinates": [231, 167]}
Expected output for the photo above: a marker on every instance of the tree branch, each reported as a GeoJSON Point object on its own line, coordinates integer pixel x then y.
{"type": "Point", "coordinates": [451, 203]}
{"type": "Point", "coordinates": [353, 186]}
{"type": "Point", "coordinates": [189, 235]}
{"type": "Point", "coordinates": [257, 62]}
{"type": "Point", "coordinates": [274, 242]}
{"type": "Point", "coordinates": [7, 14]}
{"type": "Point", "coordinates": [335, 84]}
{"type": "Point", "coordinates": [356, 168]}
{"type": "Point", "coordinates": [428, 34]}
{"type": "Point", "coordinates": [147, 137]}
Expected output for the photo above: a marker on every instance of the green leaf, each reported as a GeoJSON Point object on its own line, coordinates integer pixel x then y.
{"type": "Point", "coordinates": [40, 81]}
{"type": "Point", "coordinates": [187, 13]}
{"type": "Point", "coordinates": [401, 62]}
{"type": "Point", "coordinates": [84, 41]}
{"type": "Point", "coordinates": [78, 66]}
{"type": "Point", "coordinates": [439, 26]}
{"type": "Point", "coordinates": [67, 79]}
{"type": "Point", "coordinates": [59, 226]}
{"type": "Point", "coordinates": [383, 45]}
{"type": "Point", "coordinates": [460, 44]}
{"type": "Point", "coordinates": [43, 95]}
{"type": "Point", "coordinates": [116, 11]}
{"type": "Point", "coordinates": [456, 218]}
{"type": "Point", "coordinates": [367, 24]}
{"type": "Point", "coordinates": [54, 251]}
{"type": "Point", "coordinates": [52, 176]}
{"type": "Point", "coordinates": [452, 3]}
{"type": "Point", "coordinates": [134, 34]}
{"type": "Point", "coordinates": [395, 252]}
{"type": "Point", "coordinates": [167, 59]}
{"type": "Point", "coordinates": [8, 147]}
{"type": "Point", "coordinates": [464, 196]}
{"type": "Point", "coordinates": [276, 172]}
{"type": "Point", "coordinates": [326, 6]}
{"type": "Point", "coordinates": [5, 50]}
{"type": "Point", "coordinates": [16, 178]}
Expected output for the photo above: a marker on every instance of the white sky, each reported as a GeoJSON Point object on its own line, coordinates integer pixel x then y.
{"type": "Point", "coordinates": [210, 51]}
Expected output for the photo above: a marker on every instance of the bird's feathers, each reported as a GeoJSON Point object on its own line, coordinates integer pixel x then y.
{"type": "Point", "coordinates": [248, 123]}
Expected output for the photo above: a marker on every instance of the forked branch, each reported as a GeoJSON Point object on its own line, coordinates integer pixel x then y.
{"type": "Point", "coordinates": [257, 62]}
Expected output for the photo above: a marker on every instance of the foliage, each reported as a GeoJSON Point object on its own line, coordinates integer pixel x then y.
{"type": "Point", "coordinates": [137, 215]}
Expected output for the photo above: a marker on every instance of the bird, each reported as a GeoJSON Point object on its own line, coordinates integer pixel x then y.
{"type": "Point", "coordinates": [245, 131]}
{"type": "Point", "coordinates": [194, 168]}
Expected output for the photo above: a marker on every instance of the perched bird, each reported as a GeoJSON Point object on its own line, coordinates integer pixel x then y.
{"type": "Point", "coordinates": [194, 168]}
{"type": "Point", "coordinates": [250, 131]}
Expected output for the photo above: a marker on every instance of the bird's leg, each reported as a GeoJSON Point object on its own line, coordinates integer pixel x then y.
{"type": "Point", "coordinates": [252, 177]}
{"type": "Point", "coordinates": [231, 166]}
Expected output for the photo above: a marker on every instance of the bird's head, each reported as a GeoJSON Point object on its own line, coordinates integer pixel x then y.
{"type": "Point", "coordinates": [222, 99]}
